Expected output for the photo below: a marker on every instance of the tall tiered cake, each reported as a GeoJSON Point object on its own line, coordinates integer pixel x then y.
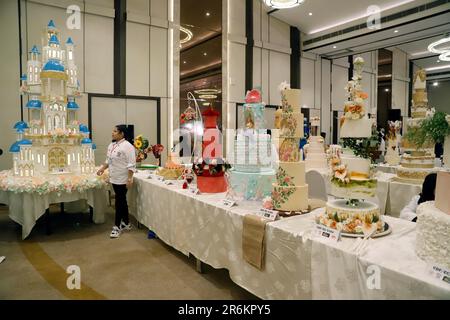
{"type": "Point", "coordinates": [290, 192]}
{"type": "Point", "coordinates": [252, 175]}
{"type": "Point", "coordinates": [211, 168]}
{"type": "Point", "coordinates": [316, 157]}
{"type": "Point", "coordinates": [351, 174]}
{"type": "Point", "coordinates": [417, 163]}
{"type": "Point", "coordinates": [433, 225]}
{"type": "Point", "coordinates": [53, 142]}
{"type": "Point", "coordinates": [392, 153]}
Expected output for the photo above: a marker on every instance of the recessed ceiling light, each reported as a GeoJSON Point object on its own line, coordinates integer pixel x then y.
{"type": "Point", "coordinates": [184, 62]}
{"type": "Point", "coordinates": [387, 90]}
{"type": "Point", "coordinates": [208, 14]}
{"type": "Point", "coordinates": [310, 13]}
{"type": "Point", "coordinates": [334, 47]}
{"type": "Point", "coordinates": [395, 31]}
{"type": "Point", "coordinates": [438, 61]}
{"type": "Point", "coordinates": [435, 84]}
{"type": "Point", "coordinates": [205, 54]}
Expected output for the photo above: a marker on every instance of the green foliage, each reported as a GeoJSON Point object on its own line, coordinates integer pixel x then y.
{"type": "Point", "coordinates": [363, 147]}
{"type": "Point", "coordinates": [431, 130]}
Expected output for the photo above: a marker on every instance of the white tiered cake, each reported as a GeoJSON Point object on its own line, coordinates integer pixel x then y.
{"type": "Point", "coordinates": [316, 157]}
{"type": "Point", "coordinates": [351, 175]}
{"type": "Point", "coordinates": [433, 225]}
{"type": "Point", "coordinates": [252, 175]}
{"type": "Point", "coordinates": [417, 163]}
{"type": "Point", "coordinates": [290, 192]}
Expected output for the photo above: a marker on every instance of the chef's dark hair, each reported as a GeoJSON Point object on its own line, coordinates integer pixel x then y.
{"type": "Point", "coordinates": [428, 188]}
{"type": "Point", "coordinates": [122, 128]}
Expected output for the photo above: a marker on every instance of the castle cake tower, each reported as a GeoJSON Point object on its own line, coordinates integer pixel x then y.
{"type": "Point", "coordinates": [53, 142]}
{"type": "Point", "coordinates": [252, 175]}
{"type": "Point", "coordinates": [416, 163]}
{"type": "Point", "coordinates": [290, 191]}
{"type": "Point", "coordinates": [351, 175]}
{"type": "Point", "coordinates": [316, 157]}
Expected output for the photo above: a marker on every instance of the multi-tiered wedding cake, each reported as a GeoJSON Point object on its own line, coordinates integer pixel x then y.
{"type": "Point", "coordinates": [316, 157]}
{"type": "Point", "coordinates": [351, 174]}
{"type": "Point", "coordinates": [252, 175]}
{"type": "Point", "coordinates": [433, 225]}
{"type": "Point", "coordinates": [53, 142]}
{"type": "Point", "coordinates": [392, 153]}
{"type": "Point", "coordinates": [417, 163]}
{"type": "Point", "coordinates": [290, 192]}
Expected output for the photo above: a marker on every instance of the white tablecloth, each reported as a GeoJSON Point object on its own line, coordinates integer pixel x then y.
{"type": "Point", "coordinates": [26, 208]}
{"type": "Point", "coordinates": [298, 265]}
{"type": "Point", "coordinates": [383, 167]}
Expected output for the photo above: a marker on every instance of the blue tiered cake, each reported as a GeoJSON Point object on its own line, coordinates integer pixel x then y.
{"type": "Point", "coordinates": [252, 175]}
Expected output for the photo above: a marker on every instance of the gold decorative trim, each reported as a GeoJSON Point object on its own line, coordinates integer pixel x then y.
{"type": "Point", "coordinates": [418, 166]}
{"type": "Point", "coordinates": [54, 75]}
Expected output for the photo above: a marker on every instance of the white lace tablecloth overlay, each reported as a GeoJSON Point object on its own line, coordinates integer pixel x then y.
{"type": "Point", "coordinates": [298, 265]}
{"type": "Point", "coordinates": [26, 208]}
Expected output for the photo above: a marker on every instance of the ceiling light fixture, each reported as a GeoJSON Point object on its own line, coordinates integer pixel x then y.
{"type": "Point", "coordinates": [387, 90]}
{"type": "Point", "coordinates": [435, 84]}
{"type": "Point", "coordinates": [438, 68]}
{"type": "Point", "coordinates": [283, 4]}
{"type": "Point", "coordinates": [395, 31]}
{"type": "Point", "coordinates": [334, 47]}
{"type": "Point", "coordinates": [188, 33]}
{"type": "Point", "coordinates": [205, 54]}
{"type": "Point", "coordinates": [432, 46]}
{"type": "Point", "coordinates": [310, 13]}
{"type": "Point", "coordinates": [445, 56]}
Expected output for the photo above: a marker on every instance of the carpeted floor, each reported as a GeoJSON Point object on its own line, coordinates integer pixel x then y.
{"type": "Point", "coordinates": [131, 267]}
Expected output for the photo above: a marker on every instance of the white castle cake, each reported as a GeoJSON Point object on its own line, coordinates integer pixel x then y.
{"type": "Point", "coordinates": [316, 157]}
{"type": "Point", "coordinates": [290, 192]}
{"type": "Point", "coordinates": [53, 142]}
{"type": "Point", "coordinates": [252, 175]}
{"type": "Point", "coordinates": [417, 163]}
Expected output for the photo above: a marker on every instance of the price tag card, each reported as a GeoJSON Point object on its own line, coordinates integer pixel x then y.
{"type": "Point", "coordinates": [271, 215]}
{"type": "Point", "coordinates": [327, 233]}
{"type": "Point", "coordinates": [440, 273]}
{"type": "Point", "coordinates": [194, 191]}
{"type": "Point", "coordinates": [228, 203]}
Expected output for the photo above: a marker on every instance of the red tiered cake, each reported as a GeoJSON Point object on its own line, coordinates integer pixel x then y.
{"type": "Point", "coordinates": [210, 170]}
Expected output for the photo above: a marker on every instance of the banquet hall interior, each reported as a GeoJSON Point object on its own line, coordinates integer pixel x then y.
{"type": "Point", "coordinates": [280, 149]}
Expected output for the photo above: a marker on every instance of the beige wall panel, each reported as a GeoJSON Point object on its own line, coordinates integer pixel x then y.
{"type": "Point", "coordinates": [9, 80]}
{"type": "Point", "coordinates": [138, 61]}
{"type": "Point", "coordinates": [158, 62]}
{"type": "Point", "coordinates": [159, 8]}
{"type": "Point", "coordinates": [308, 82]}
{"type": "Point", "coordinates": [236, 18]}
{"type": "Point", "coordinates": [141, 7]}
{"type": "Point", "coordinates": [279, 33]}
{"type": "Point", "coordinates": [237, 72]}
{"type": "Point", "coordinates": [279, 71]}
{"type": "Point", "coordinates": [106, 113]}
{"type": "Point", "coordinates": [99, 54]}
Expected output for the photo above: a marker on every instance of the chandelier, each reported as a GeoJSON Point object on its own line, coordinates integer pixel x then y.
{"type": "Point", "coordinates": [444, 52]}
{"type": "Point", "coordinates": [283, 4]}
{"type": "Point", "coordinates": [188, 34]}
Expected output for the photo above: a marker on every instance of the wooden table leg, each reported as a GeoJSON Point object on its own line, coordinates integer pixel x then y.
{"type": "Point", "coordinates": [199, 265]}
{"type": "Point", "coordinates": [48, 227]}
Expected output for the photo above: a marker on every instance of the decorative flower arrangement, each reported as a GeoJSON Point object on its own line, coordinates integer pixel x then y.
{"type": "Point", "coordinates": [267, 203]}
{"type": "Point", "coordinates": [143, 147]}
{"type": "Point", "coordinates": [188, 115]}
{"type": "Point", "coordinates": [431, 130]}
{"type": "Point", "coordinates": [50, 184]}
{"type": "Point", "coordinates": [210, 167]}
